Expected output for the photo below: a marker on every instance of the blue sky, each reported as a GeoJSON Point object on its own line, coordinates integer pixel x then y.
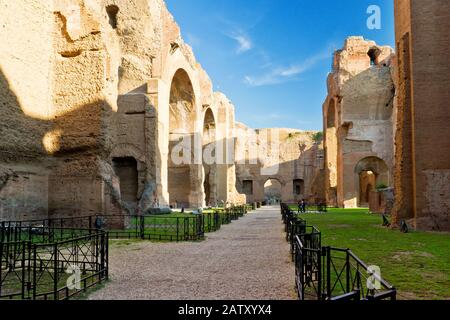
{"type": "Point", "coordinates": [272, 57]}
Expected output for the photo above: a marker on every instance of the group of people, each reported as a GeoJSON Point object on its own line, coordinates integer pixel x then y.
{"type": "Point", "coordinates": [302, 206]}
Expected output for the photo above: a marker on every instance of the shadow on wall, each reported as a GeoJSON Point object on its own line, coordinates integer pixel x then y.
{"type": "Point", "coordinates": [22, 136]}
{"type": "Point", "coordinates": [52, 166]}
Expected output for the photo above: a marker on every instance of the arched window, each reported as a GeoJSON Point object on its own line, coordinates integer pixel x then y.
{"type": "Point", "coordinates": [112, 12]}
{"type": "Point", "coordinates": [373, 54]}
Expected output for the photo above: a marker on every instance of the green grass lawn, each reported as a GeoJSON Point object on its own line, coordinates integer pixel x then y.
{"type": "Point", "coordinates": [416, 263]}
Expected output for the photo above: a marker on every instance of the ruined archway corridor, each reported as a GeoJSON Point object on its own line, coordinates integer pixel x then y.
{"type": "Point", "coordinates": [248, 259]}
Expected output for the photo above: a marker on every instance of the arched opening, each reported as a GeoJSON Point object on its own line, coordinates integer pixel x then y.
{"type": "Point", "coordinates": [373, 54]}
{"type": "Point", "coordinates": [127, 172]}
{"type": "Point", "coordinates": [272, 191]}
{"type": "Point", "coordinates": [209, 158]}
{"type": "Point", "coordinates": [112, 12]}
{"type": "Point", "coordinates": [298, 187]}
{"type": "Point", "coordinates": [371, 172]}
{"type": "Point", "coordinates": [181, 128]}
{"type": "Point", "coordinates": [367, 181]}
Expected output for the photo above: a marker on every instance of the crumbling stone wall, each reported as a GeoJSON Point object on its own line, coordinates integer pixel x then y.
{"type": "Point", "coordinates": [86, 84]}
{"type": "Point", "coordinates": [288, 156]}
{"type": "Point", "coordinates": [25, 107]}
{"type": "Point", "coordinates": [358, 115]}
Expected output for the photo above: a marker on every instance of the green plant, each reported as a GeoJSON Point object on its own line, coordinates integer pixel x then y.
{"type": "Point", "coordinates": [382, 186]}
{"type": "Point", "coordinates": [317, 137]}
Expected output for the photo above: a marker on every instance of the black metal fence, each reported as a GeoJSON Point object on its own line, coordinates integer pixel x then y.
{"type": "Point", "coordinates": [320, 207]}
{"type": "Point", "coordinates": [213, 221]}
{"type": "Point", "coordinates": [37, 256]}
{"type": "Point", "coordinates": [51, 263]}
{"type": "Point", "coordinates": [327, 273]}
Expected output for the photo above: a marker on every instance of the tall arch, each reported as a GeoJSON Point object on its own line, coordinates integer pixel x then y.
{"type": "Point", "coordinates": [272, 190]}
{"type": "Point", "coordinates": [209, 158]}
{"type": "Point", "coordinates": [182, 115]}
{"type": "Point", "coordinates": [369, 173]}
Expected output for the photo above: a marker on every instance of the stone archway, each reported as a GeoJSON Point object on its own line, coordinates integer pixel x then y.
{"type": "Point", "coordinates": [182, 115]}
{"type": "Point", "coordinates": [272, 190]}
{"type": "Point", "coordinates": [209, 158]}
{"type": "Point", "coordinates": [370, 172]}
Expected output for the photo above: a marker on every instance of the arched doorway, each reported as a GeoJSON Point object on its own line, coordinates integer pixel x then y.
{"type": "Point", "coordinates": [367, 183]}
{"type": "Point", "coordinates": [209, 158]}
{"type": "Point", "coordinates": [298, 188]}
{"type": "Point", "coordinates": [371, 172]}
{"type": "Point", "coordinates": [272, 191]}
{"type": "Point", "coordinates": [181, 132]}
{"type": "Point", "coordinates": [126, 170]}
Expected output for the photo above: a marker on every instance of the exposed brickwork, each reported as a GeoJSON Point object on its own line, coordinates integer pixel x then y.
{"type": "Point", "coordinates": [423, 131]}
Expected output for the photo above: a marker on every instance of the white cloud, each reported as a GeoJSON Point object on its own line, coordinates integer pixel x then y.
{"type": "Point", "coordinates": [243, 41]}
{"type": "Point", "coordinates": [288, 73]}
{"type": "Point", "coordinates": [192, 40]}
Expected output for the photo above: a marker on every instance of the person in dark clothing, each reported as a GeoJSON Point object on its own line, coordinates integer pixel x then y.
{"type": "Point", "coordinates": [303, 206]}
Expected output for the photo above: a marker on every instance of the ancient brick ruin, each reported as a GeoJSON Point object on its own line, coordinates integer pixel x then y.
{"type": "Point", "coordinates": [422, 140]}
{"type": "Point", "coordinates": [94, 95]}
{"type": "Point", "coordinates": [386, 124]}
{"type": "Point", "coordinates": [293, 166]}
{"type": "Point", "coordinates": [99, 99]}
{"type": "Point", "coordinates": [358, 123]}
{"type": "Point", "coordinates": [92, 116]}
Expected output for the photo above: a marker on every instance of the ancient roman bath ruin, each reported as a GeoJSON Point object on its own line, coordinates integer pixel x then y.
{"type": "Point", "coordinates": [105, 110]}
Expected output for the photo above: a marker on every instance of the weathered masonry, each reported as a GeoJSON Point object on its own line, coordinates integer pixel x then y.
{"type": "Point", "coordinates": [95, 96]}
{"type": "Point", "coordinates": [422, 140]}
{"type": "Point", "coordinates": [358, 123]}
{"type": "Point", "coordinates": [386, 120]}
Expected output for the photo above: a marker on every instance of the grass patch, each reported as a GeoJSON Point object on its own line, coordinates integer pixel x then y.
{"type": "Point", "coordinates": [416, 263]}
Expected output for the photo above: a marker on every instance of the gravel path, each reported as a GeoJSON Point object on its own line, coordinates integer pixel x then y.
{"type": "Point", "coordinates": [246, 260]}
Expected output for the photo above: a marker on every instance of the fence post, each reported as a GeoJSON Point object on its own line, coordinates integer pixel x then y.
{"type": "Point", "coordinates": [328, 253]}
{"type": "Point", "coordinates": [319, 273]}
{"type": "Point", "coordinates": [107, 256]}
{"type": "Point", "coordinates": [103, 255]}
{"type": "Point", "coordinates": [142, 229]}
{"type": "Point", "coordinates": [34, 271]}
{"type": "Point", "coordinates": [302, 271]}
{"type": "Point", "coordinates": [55, 271]}
{"type": "Point", "coordinates": [1, 261]}
{"type": "Point", "coordinates": [348, 269]}
{"type": "Point", "coordinates": [23, 269]}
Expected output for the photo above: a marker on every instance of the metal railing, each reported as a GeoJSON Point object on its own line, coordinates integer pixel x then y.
{"type": "Point", "coordinates": [327, 273]}
{"type": "Point", "coordinates": [34, 269]}
{"type": "Point", "coordinates": [310, 208]}
{"type": "Point", "coordinates": [336, 274]}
